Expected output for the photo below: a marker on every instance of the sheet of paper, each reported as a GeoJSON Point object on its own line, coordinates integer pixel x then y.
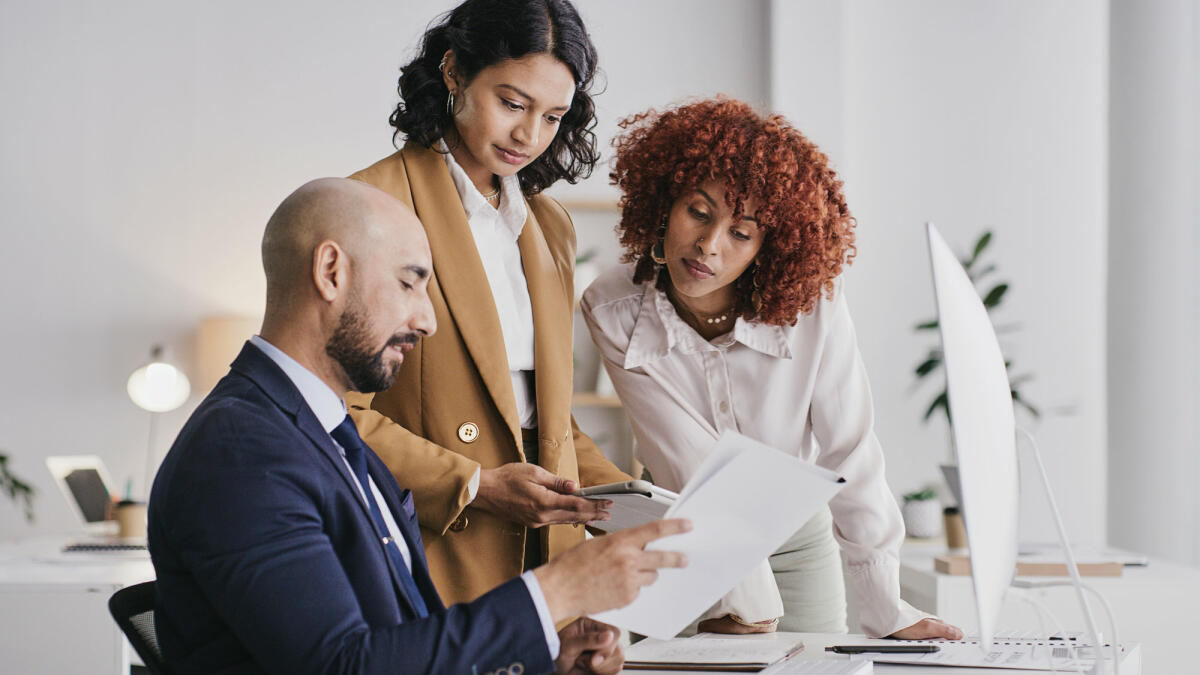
{"type": "Point", "coordinates": [741, 512]}
{"type": "Point", "coordinates": [763, 648]}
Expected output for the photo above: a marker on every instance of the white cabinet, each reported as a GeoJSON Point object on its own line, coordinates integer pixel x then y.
{"type": "Point", "coordinates": [54, 609]}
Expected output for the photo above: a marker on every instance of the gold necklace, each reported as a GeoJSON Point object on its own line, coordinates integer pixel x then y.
{"type": "Point", "coordinates": [708, 326]}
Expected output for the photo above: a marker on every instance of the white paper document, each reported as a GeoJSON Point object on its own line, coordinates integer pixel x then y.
{"type": "Point", "coordinates": [744, 501]}
{"type": "Point", "coordinates": [762, 650]}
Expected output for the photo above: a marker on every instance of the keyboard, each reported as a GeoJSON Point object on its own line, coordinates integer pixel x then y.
{"type": "Point", "coordinates": [95, 547]}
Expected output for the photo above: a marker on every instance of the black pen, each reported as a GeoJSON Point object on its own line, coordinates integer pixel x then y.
{"type": "Point", "coordinates": [883, 649]}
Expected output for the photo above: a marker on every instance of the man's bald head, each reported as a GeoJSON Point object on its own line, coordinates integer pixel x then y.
{"type": "Point", "coordinates": [359, 217]}
{"type": "Point", "coordinates": [347, 270]}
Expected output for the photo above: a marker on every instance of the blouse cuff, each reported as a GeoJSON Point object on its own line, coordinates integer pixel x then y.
{"type": "Point", "coordinates": [877, 586]}
{"type": "Point", "coordinates": [755, 598]}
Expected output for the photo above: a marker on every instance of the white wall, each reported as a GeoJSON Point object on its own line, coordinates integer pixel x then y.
{"type": "Point", "coordinates": [1154, 289]}
{"type": "Point", "coordinates": [144, 144]}
{"type": "Point", "coordinates": [972, 115]}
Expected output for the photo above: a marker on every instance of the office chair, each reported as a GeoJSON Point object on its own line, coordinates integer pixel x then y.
{"type": "Point", "coordinates": [133, 609]}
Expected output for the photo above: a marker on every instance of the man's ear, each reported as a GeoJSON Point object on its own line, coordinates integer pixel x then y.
{"type": "Point", "coordinates": [331, 270]}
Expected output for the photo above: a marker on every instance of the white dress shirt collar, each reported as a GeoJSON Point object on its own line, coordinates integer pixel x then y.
{"type": "Point", "coordinates": [329, 408]}
{"type": "Point", "coordinates": [658, 330]}
{"type": "Point", "coordinates": [511, 214]}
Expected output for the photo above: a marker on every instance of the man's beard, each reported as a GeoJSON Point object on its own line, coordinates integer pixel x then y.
{"type": "Point", "coordinates": [350, 346]}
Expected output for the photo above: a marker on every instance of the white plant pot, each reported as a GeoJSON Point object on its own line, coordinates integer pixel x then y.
{"type": "Point", "coordinates": [923, 518]}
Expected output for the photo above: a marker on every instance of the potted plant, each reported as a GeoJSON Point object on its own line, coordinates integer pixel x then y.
{"type": "Point", "coordinates": [17, 489]}
{"type": "Point", "coordinates": [922, 514]}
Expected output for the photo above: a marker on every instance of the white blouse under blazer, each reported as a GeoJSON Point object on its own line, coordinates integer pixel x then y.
{"type": "Point", "coordinates": [801, 389]}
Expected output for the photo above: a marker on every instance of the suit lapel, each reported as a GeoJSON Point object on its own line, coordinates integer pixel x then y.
{"type": "Point", "coordinates": [257, 366]}
{"type": "Point", "coordinates": [461, 277]}
{"type": "Point", "coordinates": [552, 328]}
{"type": "Point", "coordinates": [394, 500]}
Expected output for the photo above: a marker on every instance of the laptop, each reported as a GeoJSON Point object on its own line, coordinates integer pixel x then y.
{"type": "Point", "coordinates": [84, 482]}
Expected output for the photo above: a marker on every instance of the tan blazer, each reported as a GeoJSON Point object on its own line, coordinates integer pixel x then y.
{"type": "Point", "coordinates": [421, 427]}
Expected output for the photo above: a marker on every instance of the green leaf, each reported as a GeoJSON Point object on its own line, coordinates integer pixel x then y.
{"type": "Point", "coordinates": [983, 272]}
{"type": "Point", "coordinates": [920, 495]}
{"type": "Point", "coordinates": [943, 402]}
{"type": "Point", "coordinates": [928, 325]}
{"type": "Point", "coordinates": [981, 245]}
{"type": "Point", "coordinates": [1020, 379]}
{"type": "Point", "coordinates": [928, 366]}
{"type": "Point", "coordinates": [995, 295]}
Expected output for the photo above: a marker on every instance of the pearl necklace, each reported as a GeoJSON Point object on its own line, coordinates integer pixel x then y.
{"type": "Point", "coordinates": [715, 320]}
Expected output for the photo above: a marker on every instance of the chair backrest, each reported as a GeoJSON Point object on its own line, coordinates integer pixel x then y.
{"type": "Point", "coordinates": [133, 609]}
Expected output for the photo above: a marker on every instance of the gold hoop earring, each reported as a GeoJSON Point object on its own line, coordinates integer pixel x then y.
{"type": "Point", "coordinates": [756, 294]}
{"type": "Point", "coordinates": [658, 252]}
{"type": "Point", "coordinates": [450, 104]}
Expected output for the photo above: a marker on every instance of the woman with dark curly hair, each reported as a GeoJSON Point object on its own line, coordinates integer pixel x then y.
{"type": "Point", "coordinates": [730, 316]}
{"type": "Point", "coordinates": [494, 108]}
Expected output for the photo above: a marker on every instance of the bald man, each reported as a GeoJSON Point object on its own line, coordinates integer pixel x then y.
{"type": "Point", "coordinates": [281, 542]}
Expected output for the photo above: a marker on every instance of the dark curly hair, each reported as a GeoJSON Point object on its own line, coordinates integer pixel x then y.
{"type": "Point", "coordinates": [809, 232]}
{"type": "Point", "coordinates": [483, 33]}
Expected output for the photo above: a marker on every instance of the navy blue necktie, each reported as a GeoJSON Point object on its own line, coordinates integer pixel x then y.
{"type": "Point", "coordinates": [347, 437]}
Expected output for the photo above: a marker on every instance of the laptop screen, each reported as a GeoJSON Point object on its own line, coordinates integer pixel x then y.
{"type": "Point", "coordinates": [87, 487]}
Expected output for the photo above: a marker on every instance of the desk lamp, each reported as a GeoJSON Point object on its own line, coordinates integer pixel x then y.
{"type": "Point", "coordinates": [157, 387]}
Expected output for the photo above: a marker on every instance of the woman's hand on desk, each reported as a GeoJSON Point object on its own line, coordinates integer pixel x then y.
{"type": "Point", "coordinates": [927, 629]}
{"type": "Point", "coordinates": [727, 624]}
{"type": "Point", "coordinates": [532, 496]}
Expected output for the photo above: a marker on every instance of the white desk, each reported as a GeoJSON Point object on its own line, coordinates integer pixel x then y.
{"type": "Point", "coordinates": [55, 615]}
{"type": "Point", "coordinates": [1154, 605]}
{"type": "Point", "coordinates": [815, 644]}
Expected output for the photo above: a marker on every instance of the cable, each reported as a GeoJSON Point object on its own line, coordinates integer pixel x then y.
{"type": "Point", "coordinates": [1042, 612]}
{"type": "Point", "coordinates": [1072, 569]}
{"type": "Point", "coordinates": [1112, 619]}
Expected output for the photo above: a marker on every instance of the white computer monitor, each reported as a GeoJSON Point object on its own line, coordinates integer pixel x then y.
{"type": "Point", "coordinates": [983, 430]}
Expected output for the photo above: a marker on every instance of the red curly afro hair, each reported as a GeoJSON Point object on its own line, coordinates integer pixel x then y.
{"type": "Point", "coordinates": [809, 232]}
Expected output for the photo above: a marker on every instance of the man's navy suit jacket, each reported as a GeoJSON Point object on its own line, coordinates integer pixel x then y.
{"type": "Point", "coordinates": [268, 561]}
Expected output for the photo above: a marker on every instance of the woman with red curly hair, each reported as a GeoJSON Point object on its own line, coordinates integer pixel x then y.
{"type": "Point", "coordinates": [729, 315]}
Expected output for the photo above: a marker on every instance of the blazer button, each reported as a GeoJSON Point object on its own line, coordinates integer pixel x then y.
{"type": "Point", "coordinates": [468, 432]}
{"type": "Point", "coordinates": [460, 523]}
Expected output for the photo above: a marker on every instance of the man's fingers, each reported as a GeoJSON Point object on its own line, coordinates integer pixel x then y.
{"type": "Point", "coordinates": [597, 639]}
{"type": "Point", "coordinates": [608, 661]}
{"type": "Point", "coordinates": [653, 560]}
{"type": "Point", "coordinates": [644, 534]}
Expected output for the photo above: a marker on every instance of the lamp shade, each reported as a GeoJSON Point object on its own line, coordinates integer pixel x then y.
{"type": "Point", "coordinates": [158, 386]}
{"type": "Point", "coordinates": [218, 341]}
